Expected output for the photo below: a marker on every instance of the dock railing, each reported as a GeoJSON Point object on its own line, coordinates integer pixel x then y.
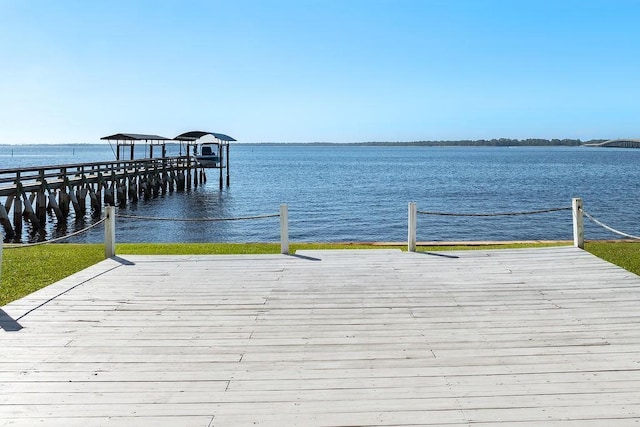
{"type": "Point", "coordinates": [110, 216]}
{"type": "Point", "coordinates": [31, 179]}
{"type": "Point", "coordinates": [34, 192]}
{"type": "Point", "coordinates": [109, 220]}
{"type": "Point", "coordinates": [577, 220]}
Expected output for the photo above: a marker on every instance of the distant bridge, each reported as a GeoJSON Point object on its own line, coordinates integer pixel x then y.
{"type": "Point", "coordinates": [618, 143]}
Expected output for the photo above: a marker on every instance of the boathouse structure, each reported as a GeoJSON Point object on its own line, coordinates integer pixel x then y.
{"type": "Point", "coordinates": [192, 140]}
{"type": "Point", "coordinates": [30, 194]}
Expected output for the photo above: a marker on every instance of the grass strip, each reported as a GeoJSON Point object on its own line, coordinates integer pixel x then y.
{"type": "Point", "coordinates": [25, 270]}
{"type": "Point", "coordinates": [622, 254]}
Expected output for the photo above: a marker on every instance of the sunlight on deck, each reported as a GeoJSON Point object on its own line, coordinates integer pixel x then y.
{"type": "Point", "coordinates": [350, 337]}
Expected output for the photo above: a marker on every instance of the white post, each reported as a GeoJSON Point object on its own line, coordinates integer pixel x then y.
{"type": "Point", "coordinates": [284, 229]}
{"type": "Point", "coordinates": [578, 223]}
{"type": "Point", "coordinates": [110, 232]}
{"type": "Point", "coordinates": [411, 238]}
{"type": "Point", "coordinates": [1, 245]}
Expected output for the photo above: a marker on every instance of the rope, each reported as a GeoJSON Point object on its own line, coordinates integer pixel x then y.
{"type": "Point", "coordinates": [495, 214]}
{"type": "Point", "coordinates": [76, 233]}
{"type": "Point", "coordinates": [197, 219]}
{"type": "Point", "coordinates": [613, 230]}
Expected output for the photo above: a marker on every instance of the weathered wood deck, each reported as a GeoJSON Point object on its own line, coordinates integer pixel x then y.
{"type": "Point", "coordinates": [509, 337]}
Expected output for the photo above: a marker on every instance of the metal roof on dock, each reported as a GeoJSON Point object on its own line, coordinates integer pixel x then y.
{"type": "Point", "coordinates": [187, 136]}
{"type": "Point", "coordinates": [193, 135]}
{"type": "Point", "coordinates": [134, 137]}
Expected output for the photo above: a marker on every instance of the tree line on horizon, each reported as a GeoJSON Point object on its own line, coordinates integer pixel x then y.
{"type": "Point", "coordinates": [496, 142]}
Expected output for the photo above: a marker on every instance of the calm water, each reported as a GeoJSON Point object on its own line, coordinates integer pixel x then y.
{"type": "Point", "coordinates": [347, 193]}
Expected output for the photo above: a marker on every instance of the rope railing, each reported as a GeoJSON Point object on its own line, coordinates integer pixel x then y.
{"type": "Point", "coordinates": [576, 206]}
{"type": "Point", "coordinates": [111, 215]}
{"type": "Point", "coordinates": [606, 227]}
{"type": "Point", "coordinates": [241, 218]}
{"type": "Point", "coordinates": [541, 211]}
{"type": "Point", "coordinates": [110, 235]}
{"type": "Point", "coordinates": [56, 240]}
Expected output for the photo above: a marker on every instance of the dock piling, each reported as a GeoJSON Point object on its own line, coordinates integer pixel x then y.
{"type": "Point", "coordinates": [17, 216]}
{"type": "Point", "coordinates": [6, 222]}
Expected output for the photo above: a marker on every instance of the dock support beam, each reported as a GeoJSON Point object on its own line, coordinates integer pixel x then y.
{"type": "Point", "coordinates": [110, 232]}
{"type": "Point", "coordinates": [221, 179]}
{"type": "Point", "coordinates": [578, 223]}
{"type": "Point", "coordinates": [17, 216]}
{"type": "Point", "coordinates": [6, 223]}
{"type": "Point", "coordinates": [284, 229]}
{"type": "Point", "coordinates": [412, 225]}
{"type": "Point", "coordinates": [227, 164]}
{"type": "Point", "coordinates": [28, 211]}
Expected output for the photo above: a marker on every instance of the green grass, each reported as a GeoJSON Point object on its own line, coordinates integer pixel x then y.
{"type": "Point", "coordinates": [25, 270]}
{"type": "Point", "coordinates": [623, 254]}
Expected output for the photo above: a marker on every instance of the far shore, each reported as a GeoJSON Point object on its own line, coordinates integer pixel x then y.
{"type": "Point", "coordinates": [500, 142]}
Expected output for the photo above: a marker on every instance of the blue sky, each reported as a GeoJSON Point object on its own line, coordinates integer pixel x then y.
{"type": "Point", "coordinates": [319, 70]}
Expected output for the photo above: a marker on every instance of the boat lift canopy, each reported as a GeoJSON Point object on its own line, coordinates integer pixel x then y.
{"type": "Point", "coordinates": [195, 135]}
{"type": "Point", "coordinates": [132, 137]}
{"type": "Point", "coordinates": [190, 138]}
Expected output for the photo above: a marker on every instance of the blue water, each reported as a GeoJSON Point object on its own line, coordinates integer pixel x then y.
{"type": "Point", "coordinates": [354, 193]}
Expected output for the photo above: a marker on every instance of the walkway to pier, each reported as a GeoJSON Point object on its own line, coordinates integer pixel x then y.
{"type": "Point", "coordinates": [381, 337]}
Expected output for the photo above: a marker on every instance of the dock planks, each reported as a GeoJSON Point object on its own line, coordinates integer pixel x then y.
{"type": "Point", "coordinates": [383, 337]}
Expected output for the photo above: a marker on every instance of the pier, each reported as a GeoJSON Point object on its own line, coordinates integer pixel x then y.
{"type": "Point", "coordinates": [30, 194]}
{"type": "Point", "coordinates": [381, 337]}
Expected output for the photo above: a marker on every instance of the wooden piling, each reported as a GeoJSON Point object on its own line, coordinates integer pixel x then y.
{"type": "Point", "coordinates": [17, 216]}
{"type": "Point", "coordinates": [9, 201]}
{"type": "Point", "coordinates": [53, 204]}
{"type": "Point", "coordinates": [180, 181]}
{"type": "Point", "coordinates": [96, 204]}
{"type": "Point", "coordinates": [6, 224]}
{"type": "Point", "coordinates": [82, 200]}
{"type": "Point", "coordinates": [227, 165]}
{"type": "Point", "coordinates": [41, 207]}
{"type": "Point", "coordinates": [63, 201]}
{"type": "Point", "coordinates": [109, 198]}
{"type": "Point", "coordinates": [133, 188]}
{"type": "Point", "coordinates": [220, 178]}
{"type": "Point", "coordinates": [172, 181]}
{"type": "Point", "coordinates": [28, 209]}
{"type": "Point", "coordinates": [121, 193]}
{"type": "Point", "coordinates": [99, 191]}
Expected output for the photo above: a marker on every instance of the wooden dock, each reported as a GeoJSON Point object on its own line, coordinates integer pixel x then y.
{"type": "Point", "coordinates": [32, 193]}
{"type": "Point", "coordinates": [505, 337]}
